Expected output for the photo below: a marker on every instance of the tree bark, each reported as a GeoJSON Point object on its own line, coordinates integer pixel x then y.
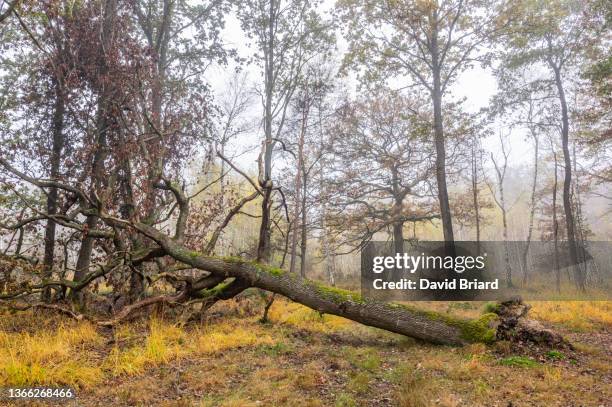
{"type": "Point", "coordinates": [501, 174]}
{"type": "Point", "coordinates": [263, 247]}
{"type": "Point", "coordinates": [97, 175]}
{"type": "Point", "coordinates": [298, 189]}
{"type": "Point", "coordinates": [303, 228]}
{"type": "Point", "coordinates": [532, 209]}
{"type": "Point", "coordinates": [398, 237]}
{"type": "Point", "coordinates": [428, 326]}
{"type": "Point", "coordinates": [556, 226]}
{"type": "Point", "coordinates": [425, 325]}
{"type": "Point", "coordinates": [158, 41]}
{"type": "Point", "coordinates": [567, 182]}
{"type": "Point", "coordinates": [436, 96]}
{"type": "Point", "coordinates": [56, 153]}
{"type": "Point", "coordinates": [475, 197]}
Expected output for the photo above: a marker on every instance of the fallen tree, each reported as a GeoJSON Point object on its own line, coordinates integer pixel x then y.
{"type": "Point", "coordinates": [230, 276]}
{"type": "Point", "coordinates": [225, 277]}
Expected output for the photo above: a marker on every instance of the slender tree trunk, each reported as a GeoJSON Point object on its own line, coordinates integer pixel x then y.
{"type": "Point", "coordinates": [330, 262]}
{"type": "Point", "coordinates": [532, 204]}
{"type": "Point", "coordinates": [56, 153]}
{"type": "Point", "coordinates": [567, 183]}
{"type": "Point", "coordinates": [396, 211]}
{"type": "Point", "coordinates": [330, 266]}
{"type": "Point", "coordinates": [398, 237]}
{"type": "Point", "coordinates": [294, 231]}
{"type": "Point", "coordinates": [222, 175]}
{"type": "Point", "coordinates": [501, 174]}
{"type": "Point", "coordinates": [505, 232]}
{"type": "Point", "coordinates": [87, 243]}
{"type": "Point", "coordinates": [303, 228]}
{"type": "Point", "coordinates": [298, 190]}
{"type": "Point", "coordinates": [263, 248]}
{"type": "Point", "coordinates": [19, 245]}
{"type": "Point", "coordinates": [556, 227]}
{"type": "Point", "coordinates": [436, 96]}
{"type": "Point", "coordinates": [580, 235]}
{"type": "Point", "coordinates": [475, 197]}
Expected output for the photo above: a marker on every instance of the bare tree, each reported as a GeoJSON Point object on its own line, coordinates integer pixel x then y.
{"type": "Point", "coordinates": [287, 35]}
{"type": "Point", "coordinates": [500, 200]}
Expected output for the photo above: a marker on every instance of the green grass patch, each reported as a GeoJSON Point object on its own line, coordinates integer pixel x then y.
{"type": "Point", "coordinates": [519, 361]}
{"type": "Point", "coordinates": [555, 354]}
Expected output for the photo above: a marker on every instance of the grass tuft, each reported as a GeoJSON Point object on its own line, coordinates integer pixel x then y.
{"type": "Point", "coordinates": [50, 357]}
{"type": "Point", "coordinates": [519, 361]}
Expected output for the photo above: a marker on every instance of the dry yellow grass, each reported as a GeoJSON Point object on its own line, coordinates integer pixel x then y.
{"type": "Point", "coordinates": [59, 356]}
{"type": "Point", "coordinates": [167, 342]}
{"type": "Point", "coordinates": [301, 358]}
{"type": "Point", "coordinates": [580, 316]}
{"type": "Point", "coordinates": [305, 318]}
{"type": "Point", "coordinates": [70, 354]}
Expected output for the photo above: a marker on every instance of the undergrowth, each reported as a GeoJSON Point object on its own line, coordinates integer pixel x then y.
{"type": "Point", "coordinates": [301, 357]}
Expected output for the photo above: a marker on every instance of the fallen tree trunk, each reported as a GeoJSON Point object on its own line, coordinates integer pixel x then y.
{"type": "Point", "coordinates": [429, 326]}
{"type": "Point", "coordinates": [230, 276]}
{"type": "Point", "coordinates": [509, 322]}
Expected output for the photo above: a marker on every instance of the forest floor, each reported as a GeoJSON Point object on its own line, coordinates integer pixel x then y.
{"type": "Point", "coordinates": [301, 358]}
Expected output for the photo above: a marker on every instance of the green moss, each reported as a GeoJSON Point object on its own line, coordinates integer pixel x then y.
{"type": "Point", "coordinates": [338, 295]}
{"type": "Point", "coordinates": [190, 253]}
{"type": "Point", "coordinates": [216, 290]}
{"type": "Point", "coordinates": [275, 271]}
{"type": "Point", "coordinates": [479, 330]}
{"type": "Point", "coordinates": [491, 307]}
{"type": "Point", "coordinates": [474, 330]}
{"type": "Point", "coordinates": [555, 354]}
{"type": "Point", "coordinates": [232, 259]}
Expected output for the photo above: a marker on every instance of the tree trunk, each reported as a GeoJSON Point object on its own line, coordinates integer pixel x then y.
{"type": "Point", "coordinates": [158, 43]}
{"type": "Point", "coordinates": [298, 193]}
{"type": "Point", "coordinates": [475, 197]}
{"type": "Point", "coordinates": [402, 319]}
{"type": "Point", "coordinates": [567, 183]}
{"type": "Point", "coordinates": [303, 229]}
{"type": "Point", "coordinates": [505, 232]}
{"type": "Point", "coordinates": [56, 153]}
{"type": "Point", "coordinates": [396, 211]}
{"type": "Point", "coordinates": [428, 326]}
{"type": "Point", "coordinates": [436, 96]}
{"type": "Point", "coordinates": [103, 122]}
{"type": "Point", "coordinates": [501, 174]}
{"type": "Point", "coordinates": [581, 239]}
{"type": "Point", "coordinates": [263, 247]}
{"type": "Point", "coordinates": [398, 237]}
{"type": "Point", "coordinates": [532, 209]}
{"type": "Point", "coordinates": [556, 227]}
